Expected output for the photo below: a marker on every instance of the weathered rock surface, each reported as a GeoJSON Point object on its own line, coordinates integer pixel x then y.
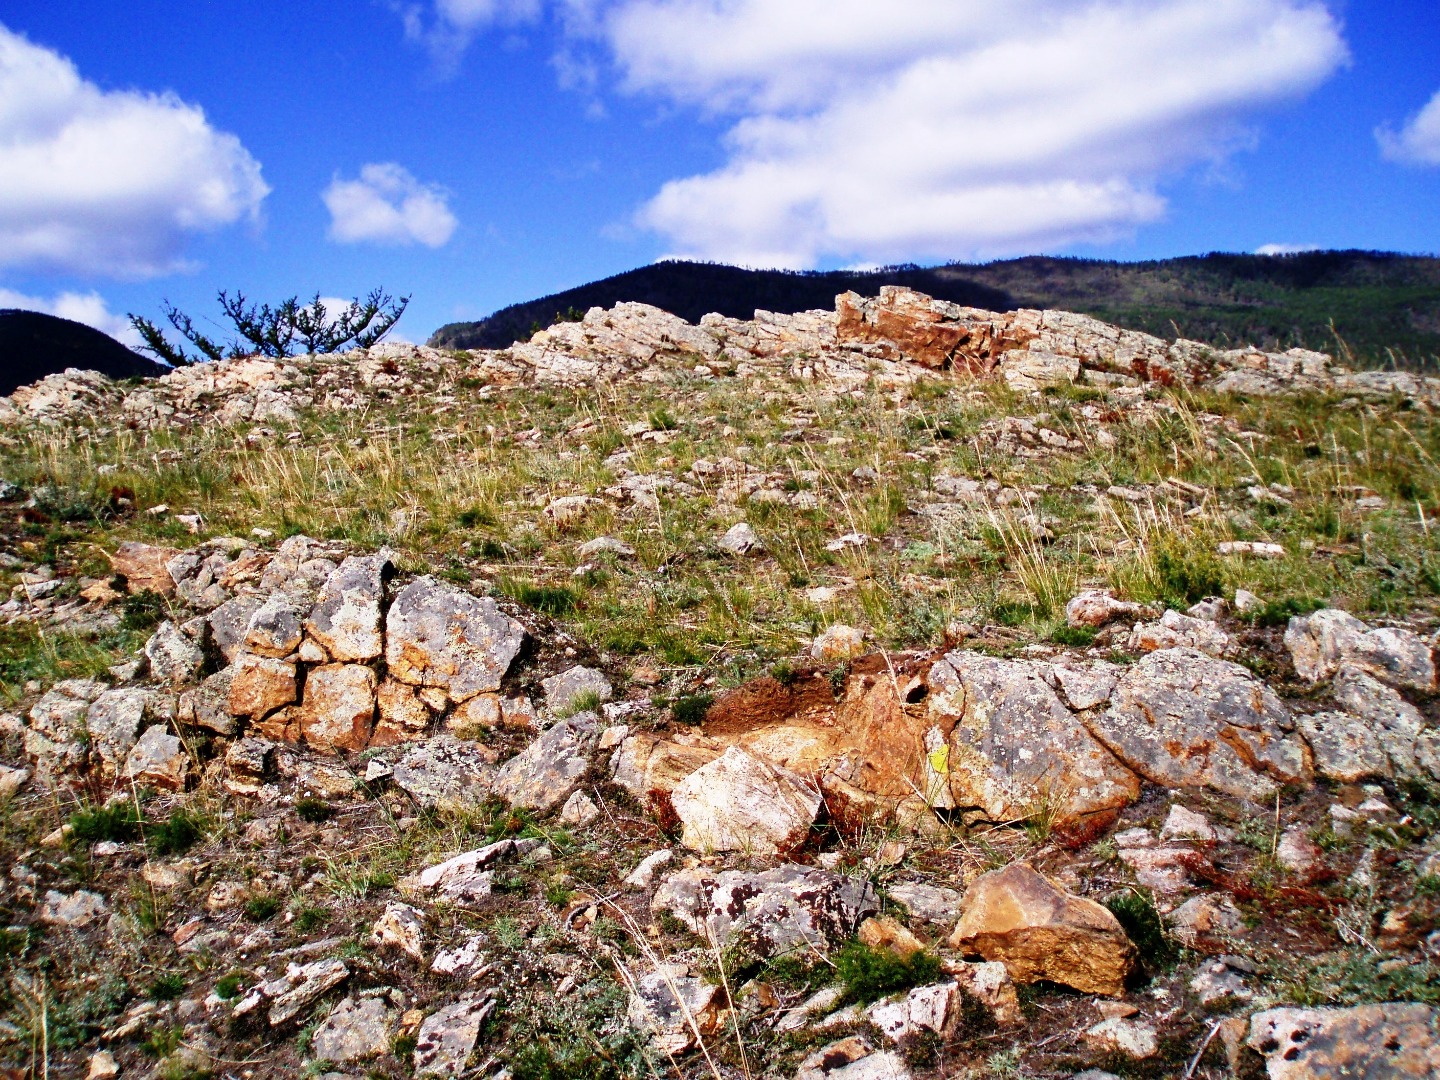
{"type": "Point", "coordinates": [1183, 719]}
{"type": "Point", "coordinates": [356, 1029]}
{"type": "Point", "coordinates": [574, 684]}
{"type": "Point", "coordinates": [338, 709]}
{"type": "Point", "coordinates": [445, 772]}
{"type": "Point", "coordinates": [346, 618]}
{"type": "Point", "coordinates": [770, 912]}
{"type": "Point", "coordinates": [173, 656]}
{"type": "Point", "coordinates": [543, 775]}
{"type": "Point", "coordinates": [739, 802]}
{"type": "Point", "coordinates": [438, 636]}
{"type": "Point", "coordinates": [158, 759]}
{"type": "Point", "coordinates": [1019, 918]}
{"type": "Point", "coordinates": [675, 1008]}
{"type": "Point", "coordinates": [1394, 1040]}
{"type": "Point", "coordinates": [447, 1037]}
{"type": "Point", "coordinates": [1321, 643]}
{"type": "Point", "coordinates": [1015, 749]}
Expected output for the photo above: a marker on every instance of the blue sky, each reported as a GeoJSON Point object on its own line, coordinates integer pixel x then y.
{"type": "Point", "coordinates": [475, 153]}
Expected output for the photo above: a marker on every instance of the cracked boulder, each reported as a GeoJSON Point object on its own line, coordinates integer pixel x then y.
{"type": "Point", "coordinates": [346, 618]}
{"type": "Point", "coordinates": [1183, 719]}
{"type": "Point", "coordinates": [437, 635]}
{"type": "Point", "coordinates": [1014, 749]}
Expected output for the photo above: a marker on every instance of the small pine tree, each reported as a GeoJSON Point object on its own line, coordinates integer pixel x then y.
{"type": "Point", "coordinates": [287, 329]}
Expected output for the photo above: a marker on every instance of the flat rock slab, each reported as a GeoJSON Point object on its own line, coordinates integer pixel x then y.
{"type": "Point", "coordinates": [1183, 719]}
{"type": "Point", "coordinates": [356, 1029]}
{"type": "Point", "coordinates": [445, 772]}
{"type": "Point", "coordinates": [1038, 931]}
{"type": "Point", "coordinates": [437, 635]}
{"type": "Point", "coordinates": [1368, 1042]}
{"type": "Point", "coordinates": [770, 912]}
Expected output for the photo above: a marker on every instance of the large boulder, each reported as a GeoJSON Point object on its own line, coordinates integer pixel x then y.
{"type": "Point", "coordinates": [739, 802]}
{"type": "Point", "coordinates": [436, 635]}
{"type": "Point", "coordinates": [346, 618]}
{"type": "Point", "coordinates": [1393, 1041]}
{"type": "Point", "coordinates": [143, 566]}
{"type": "Point", "coordinates": [1014, 748]}
{"type": "Point", "coordinates": [1321, 643]}
{"type": "Point", "coordinates": [1395, 725]}
{"type": "Point", "coordinates": [1038, 931]}
{"type": "Point", "coordinates": [1183, 719]}
{"type": "Point", "coordinates": [338, 709]}
{"type": "Point", "coordinates": [770, 912]}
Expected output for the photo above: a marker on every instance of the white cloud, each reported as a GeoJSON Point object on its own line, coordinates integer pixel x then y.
{"type": "Point", "coordinates": [1285, 249]}
{"type": "Point", "coordinates": [1418, 142]}
{"type": "Point", "coordinates": [109, 182]}
{"type": "Point", "coordinates": [953, 128]}
{"type": "Point", "coordinates": [387, 205]}
{"type": "Point", "coordinates": [453, 24]}
{"type": "Point", "coordinates": [88, 308]}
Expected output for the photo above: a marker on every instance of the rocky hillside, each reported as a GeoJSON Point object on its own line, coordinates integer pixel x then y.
{"type": "Point", "coordinates": [898, 690]}
{"type": "Point", "coordinates": [1384, 308]}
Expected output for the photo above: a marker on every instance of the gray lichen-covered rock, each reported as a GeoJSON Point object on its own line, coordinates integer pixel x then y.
{"type": "Point", "coordinates": [1321, 643]}
{"type": "Point", "coordinates": [113, 723]}
{"type": "Point", "coordinates": [1014, 747]}
{"type": "Point", "coordinates": [1395, 724]}
{"type": "Point", "coordinates": [275, 628]}
{"type": "Point", "coordinates": [346, 619]}
{"type": "Point", "coordinates": [173, 656]}
{"type": "Point", "coordinates": [356, 1029]}
{"type": "Point", "coordinates": [770, 912]}
{"type": "Point", "coordinates": [674, 1006]}
{"type": "Point", "coordinates": [1344, 747]}
{"type": "Point", "coordinates": [158, 759]}
{"type": "Point", "coordinates": [230, 622]}
{"type": "Point", "coordinates": [562, 691]}
{"type": "Point", "coordinates": [447, 1037]}
{"type": "Point", "coordinates": [543, 775]}
{"type": "Point", "coordinates": [1394, 1041]}
{"type": "Point", "coordinates": [445, 772]}
{"type": "Point", "coordinates": [438, 636]}
{"type": "Point", "coordinates": [1183, 719]}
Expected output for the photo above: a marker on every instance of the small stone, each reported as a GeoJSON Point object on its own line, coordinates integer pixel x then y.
{"type": "Point", "coordinates": [346, 618]}
{"type": "Point", "coordinates": [1131, 1038]}
{"type": "Point", "coordinates": [927, 902]}
{"type": "Point", "coordinates": [1296, 852]}
{"type": "Point", "coordinates": [1321, 643]}
{"type": "Point", "coordinates": [741, 540]}
{"type": "Point", "coordinates": [644, 874]}
{"type": "Point", "coordinates": [80, 908]}
{"type": "Point", "coordinates": [579, 810]}
{"type": "Point", "coordinates": [883, 932]}
{"type": "Point", "coordinates": [1253, 548]}
{"type": "Point", "coordinates": [564, 690]}
{"type": "Point", "coordinates": [674, 1008]}
{"type": "Point", "coordinates": [1212, 917]}
{"type": "Point", "coordinates": [401, 927]}
{"type": "Point", "coordinates": [11, 781]}
{"type": "Point", "coordinates": [838, 642]}
{"type": "Point", "coordinates": [605, 545]}
{"type": "Point", "coordinates": [103, 1066]}
{"type": "Point", "coordinates": [1247, 602]}
{"type": "Point", "coordinates": [1183, 823]}
{"type": "Point", "coordinates": [1096, 608]}
{"type": "Point", "coordinates": [569, 510]}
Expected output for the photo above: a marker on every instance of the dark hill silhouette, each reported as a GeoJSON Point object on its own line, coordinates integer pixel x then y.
{"type": "Point", "coordinates": [1385, 308]}
{"type": "Point", "coordinates": [33, 345]}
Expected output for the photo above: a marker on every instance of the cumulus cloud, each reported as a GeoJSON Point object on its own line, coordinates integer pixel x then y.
{"type": "Point", "coordinates": [1418, 142]}
{"type": "Point", "coordinates": [89, 308]}
{"type": "Point", "coordinates": [108, 182]}
{"type": "Point", "coordinates": [953, 128]}
{"type": "Point", "coordinates": [447, 27]}
{"type": "Point", "coordinates": [386, 205]}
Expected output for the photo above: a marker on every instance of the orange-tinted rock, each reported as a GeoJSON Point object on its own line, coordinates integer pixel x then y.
{"type": "Point", "coordinates": [143, 567]}
{"type": "Point", "coordinates": [1039, 931]}
{"type": "Point", "coordinates": [402, 715]}
{"type": "Point", "coordinates": [338, 710]}
{"type": "Point", "coordinates": [259, 685]}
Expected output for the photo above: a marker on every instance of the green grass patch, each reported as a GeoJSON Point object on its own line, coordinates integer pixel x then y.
{"type": "Point", "coordinates": [118, 823]}
{"type": "Point", "coordinates": [870, 974]}
{"type": "Point", "coordinates": [178, 833]}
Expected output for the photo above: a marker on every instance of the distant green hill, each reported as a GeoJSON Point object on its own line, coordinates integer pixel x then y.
{"type": "Point", "coordinates": [1384, 308]}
